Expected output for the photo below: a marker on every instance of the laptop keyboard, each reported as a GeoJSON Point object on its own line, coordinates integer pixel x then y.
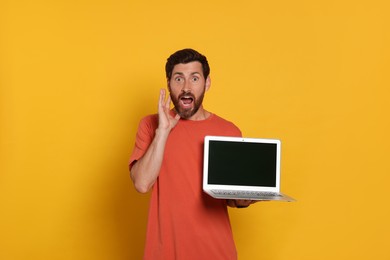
{"type": "Point", "coordinates": [245, 194]}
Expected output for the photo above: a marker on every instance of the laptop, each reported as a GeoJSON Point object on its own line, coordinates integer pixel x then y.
{"type": "Point", "coordinates": [242, 168]}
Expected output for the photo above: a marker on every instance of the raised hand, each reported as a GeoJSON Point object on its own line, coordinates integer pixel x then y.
{"type": "Point", "coordinates": [146, 170]}
{"type": "Point", "coordinates": [165, 120]}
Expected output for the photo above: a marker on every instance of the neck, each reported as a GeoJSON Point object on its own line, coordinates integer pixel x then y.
{"type": "Point", "coordinates": [201, 114]}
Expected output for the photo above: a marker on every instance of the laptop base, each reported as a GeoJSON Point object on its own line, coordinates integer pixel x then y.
{"type": "Point", "coordinates": [245, 195]}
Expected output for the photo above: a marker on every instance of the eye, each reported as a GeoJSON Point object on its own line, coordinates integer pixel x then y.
{"type": "Point", "coordinates": [195, 79]}
{"type": "Point", "coordinates": [178, 79]}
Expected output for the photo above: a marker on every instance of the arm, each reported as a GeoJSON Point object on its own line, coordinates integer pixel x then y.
{"type": "Point", "coordinates": [145, 171]}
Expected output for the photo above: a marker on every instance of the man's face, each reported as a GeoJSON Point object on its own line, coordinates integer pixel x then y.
{"type": "Point", "coordinates": [187, 87]}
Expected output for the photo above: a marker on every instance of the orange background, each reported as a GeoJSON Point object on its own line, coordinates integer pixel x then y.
{"type": "Point", "coordinates": [77, 76]}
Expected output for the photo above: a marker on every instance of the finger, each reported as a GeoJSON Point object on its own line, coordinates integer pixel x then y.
{"type": "Point", "coordinates": [231, 203]}
{"type": "Point", "coordinates": [161, 100]}
{"type": "Point", "coordinates": [168, 102]}
{"type": "Point", "coordinates": [244, 203]}
{"type": "Point", "coordinates": [162, 95]}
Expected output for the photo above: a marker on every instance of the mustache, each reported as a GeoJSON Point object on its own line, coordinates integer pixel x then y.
{"type": "Point", "coordinates": [187, 94]}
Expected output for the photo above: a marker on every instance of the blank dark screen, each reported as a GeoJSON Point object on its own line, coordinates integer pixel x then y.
{"type": "Point", "coordinates": [239, 163]}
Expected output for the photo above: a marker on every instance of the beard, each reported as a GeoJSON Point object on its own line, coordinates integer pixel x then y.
{"type": "Point", "coordinates": [187, 113]}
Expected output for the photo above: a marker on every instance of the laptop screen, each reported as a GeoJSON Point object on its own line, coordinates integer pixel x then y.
{"type": "Point", "coordinates": [242, 163]}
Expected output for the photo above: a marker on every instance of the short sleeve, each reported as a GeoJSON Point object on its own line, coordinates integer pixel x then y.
{"type": "Point", "coordinates": [145, 134]}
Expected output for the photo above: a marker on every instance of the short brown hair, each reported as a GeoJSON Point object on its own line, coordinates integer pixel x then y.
{"type": "Point", "coordinates": [186, 56]}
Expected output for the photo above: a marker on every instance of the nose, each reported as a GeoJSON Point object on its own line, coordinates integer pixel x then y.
{"type": "Point", "coordinates": [186, 87]}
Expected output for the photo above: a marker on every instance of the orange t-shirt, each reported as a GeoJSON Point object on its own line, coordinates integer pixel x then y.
{"type": "Point", "coordinates": [184, 222]}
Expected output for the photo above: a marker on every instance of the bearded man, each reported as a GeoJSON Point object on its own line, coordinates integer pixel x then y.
{"type": "Point", "coordinates": [183, 222]}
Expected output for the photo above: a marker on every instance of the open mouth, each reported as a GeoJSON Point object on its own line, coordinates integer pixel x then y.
{"type": "Point", "coordinates": [186, 100]}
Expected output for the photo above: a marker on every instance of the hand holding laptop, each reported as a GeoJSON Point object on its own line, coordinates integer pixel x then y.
{"type": "Point", "coordinates": [240, 203]}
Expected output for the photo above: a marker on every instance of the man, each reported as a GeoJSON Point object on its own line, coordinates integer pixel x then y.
{"type": "Point", "coordinates": [184, 223]}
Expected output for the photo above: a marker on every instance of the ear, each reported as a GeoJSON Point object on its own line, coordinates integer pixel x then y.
{"type": "Point", "coordinates": [208, 83]}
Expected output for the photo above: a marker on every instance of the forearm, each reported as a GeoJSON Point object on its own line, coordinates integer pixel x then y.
{"type": "Point", "coordinates": [146, 170]}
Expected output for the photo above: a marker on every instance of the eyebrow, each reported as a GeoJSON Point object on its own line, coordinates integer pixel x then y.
{"type": "Point", "coordinates": [182, 74]}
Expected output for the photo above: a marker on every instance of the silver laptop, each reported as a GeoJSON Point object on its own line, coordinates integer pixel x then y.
{"type": "Point", "coordinates": [242, 168]}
